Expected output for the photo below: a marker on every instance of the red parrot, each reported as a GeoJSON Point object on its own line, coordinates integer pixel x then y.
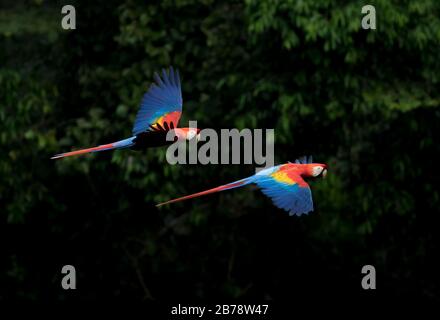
{"type": "Point", "coordinates": [284, 184]}
{"type": "Point", "coordinates": [159, 112]}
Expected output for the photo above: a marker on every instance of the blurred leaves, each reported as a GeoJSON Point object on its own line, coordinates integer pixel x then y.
{"type": "Point", "coordinates": [31, 21]}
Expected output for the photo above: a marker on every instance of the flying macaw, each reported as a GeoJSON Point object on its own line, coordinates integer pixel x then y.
{"type": "Point", "coordinates": [159, 113]}
{"type": "Point", "coordinates": [284, 184]}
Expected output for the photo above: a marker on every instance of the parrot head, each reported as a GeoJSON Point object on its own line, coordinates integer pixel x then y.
{"type": "Point", "coordinates": [187, 133]}
{"type": "Point", "coordinates": [311, 169]}
{"type": "Point", "coordinates": [317, 170]}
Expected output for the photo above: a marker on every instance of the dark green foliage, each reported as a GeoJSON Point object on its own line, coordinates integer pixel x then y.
{"type": "Point", "coordinates": [365, 102]}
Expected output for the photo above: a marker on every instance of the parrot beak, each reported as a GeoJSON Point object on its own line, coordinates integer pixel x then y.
{"type": "Point", "coordinates": [198, 137]}
{"type": "Point", "coordinates": [324, 173]}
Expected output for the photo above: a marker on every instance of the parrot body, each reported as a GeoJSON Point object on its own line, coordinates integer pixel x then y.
{"type": "Point", "coordinates": [159, 113]}
{"type": "Point", "coordinates": [284, 184]}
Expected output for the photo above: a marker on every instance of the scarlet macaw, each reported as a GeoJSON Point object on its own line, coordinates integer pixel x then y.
{"type": "Point", "coordinates": [159, 113]}
{"type": "Point", "coordinates": [284, 184]}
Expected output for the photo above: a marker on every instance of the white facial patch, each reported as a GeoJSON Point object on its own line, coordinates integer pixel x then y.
{"type": "Point", "coordinates": [316, 171]}
{"type": "Point", "coordinates": [191, 134]}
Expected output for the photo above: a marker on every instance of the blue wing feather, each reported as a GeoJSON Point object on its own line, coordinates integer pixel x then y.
{"type": "Point", "coordinates": [163, 97]}
{"type": "Point", "coordinates": [295, 199]}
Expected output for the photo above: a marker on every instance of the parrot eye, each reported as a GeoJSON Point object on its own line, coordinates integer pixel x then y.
{"type": "Point", "coordinates": [316, 171]}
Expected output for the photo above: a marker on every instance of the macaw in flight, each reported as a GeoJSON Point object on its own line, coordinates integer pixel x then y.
{"type": "Point", "coordinates": [284, 184]}
{"type": "Point", "coordinates": [159, 112]}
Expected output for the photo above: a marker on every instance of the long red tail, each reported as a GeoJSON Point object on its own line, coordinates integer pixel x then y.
{"type": "Point", "coordinates": [232, 185]}
{"type": "Point", "coordinates": [126, 143]}
{"type": "Point", "coordinates": [77, 152]}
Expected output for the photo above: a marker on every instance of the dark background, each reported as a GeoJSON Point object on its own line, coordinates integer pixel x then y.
{"type": "Point", "coordinates": [364, 101]}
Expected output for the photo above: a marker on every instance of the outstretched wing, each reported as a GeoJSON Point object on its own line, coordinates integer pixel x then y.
{"type": "Point", "coordinates": [161, 106]}
{"type": "Point", "coordinates": [287, 190]}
